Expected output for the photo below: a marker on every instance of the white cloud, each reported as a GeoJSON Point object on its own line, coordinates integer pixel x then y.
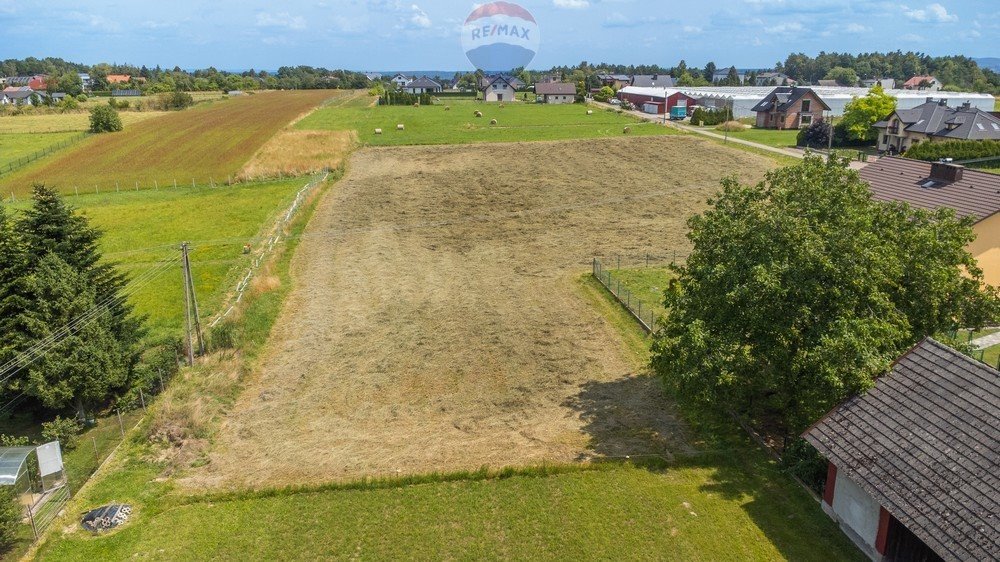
{"type": "Point", "coordinates": [96, 21]}
{"type": "Point", "coordinates": [857, 28]}
{"type": "Point", "coordinates": [419, 17]}
{"type": "Point", "coordinates": [571, 4]}
{"type": "Point", "coordinates": [691, 29]}
{"type": "Point", "coordinates": [281, 19]}
{"type": "Point", "coordinates": [911, 38]}
{"type": "Point", "coordinates": [785, 28]}
{"type": "Point", "coordinates": [932, 13]}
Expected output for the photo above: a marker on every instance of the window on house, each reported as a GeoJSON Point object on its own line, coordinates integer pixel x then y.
{"type": "Point", "coordinates": [806, 106]}
{"type": "Point", "coordinates": [807, 120]}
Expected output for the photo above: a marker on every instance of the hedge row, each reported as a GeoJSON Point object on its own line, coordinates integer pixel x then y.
{"type": "Point", "coordinates": [957, 150]}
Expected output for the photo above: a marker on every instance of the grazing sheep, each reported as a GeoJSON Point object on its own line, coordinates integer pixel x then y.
{"type": "Point", "coordinates": [590, 112]}
{"type": "Point", "coordinates": [378, 131]}
{"type": "Point", "coordinates": [479, 114]}
{"type": "Point", "coordinates": [447, 108]}
{"type": "Point", "coordinates": [400, 127]}
{"type": "Point", "coordinates": [416, 104]}
{"type": "Point", "coordinates": [627, 130]}
{"type": "Point", "coordinates": [501, 106]}
{"type": "Point", "coordinates": [493, 121]}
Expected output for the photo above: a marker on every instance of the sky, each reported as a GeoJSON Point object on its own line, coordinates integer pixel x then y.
{"type": "Point", "coordinates": [426, 34]}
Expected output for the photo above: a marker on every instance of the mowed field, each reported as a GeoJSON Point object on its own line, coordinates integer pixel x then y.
{"type": "Point", "coordinates": [436, 321]}
{"type": "Point", "coordinates": [207, 143]}
{"type": "Point", "coordinates": [16, 146]}
{"type": "Point", "coordinates": [64, 122]}
{"type": "Point", "coordinates": [433, 124]}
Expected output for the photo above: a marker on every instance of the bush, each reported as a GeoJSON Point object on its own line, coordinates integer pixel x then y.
{"type": "Point", "coordinates": [709, 118]}
{"type": "Point", "coordinates": [10, 518]}
{"type": "Point", "coordinates": [958, 150]}
{"type": "Point", "coordinates": [104, 119]}
{"type": "Point", "coordinates": [403, 98]}
{"type": "Point", "coordinates": [173, 101]}
{"type": "Point", "coordinates": [803, 461]}
{"type": "Point", "coordinates": [70, 103]}
{"type": "Point", "coordinates": [81, 98]}
{"type": "Point", "coordinates": [223, 335]}
{"type": "Point", "coordinates": [64, 430]}
{"type": "Point", "coordinates": [817, 136]}
{"type": "Point", "coordinates": [731, 126]}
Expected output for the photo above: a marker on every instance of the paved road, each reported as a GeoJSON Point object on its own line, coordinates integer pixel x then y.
{"type": "Point", "coordinates": [986, 341]}
{"type": "Point", "coordinates": [790, 152]}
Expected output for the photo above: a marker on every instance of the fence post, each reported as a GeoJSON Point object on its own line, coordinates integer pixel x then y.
{"type": "Point", "coordinates": [121, 424]}
{"type": "Point", "coordinates": [97, 455]}
{"type": "Point", "coordinates": [142, 400]}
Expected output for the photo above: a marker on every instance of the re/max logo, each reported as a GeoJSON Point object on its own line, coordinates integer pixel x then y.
{"type": "Point", "coordinates": [500, 30]}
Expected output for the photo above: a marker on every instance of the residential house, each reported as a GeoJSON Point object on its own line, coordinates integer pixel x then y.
{"type": "Point", "coordinates": [516, 82]}
{"type": "Point", "coordinates": [373, 76]}
{"type": "Point", "coordinates": [615, 81]}
{"type": "Point", "coordinates": [789, 107]}
{"type": "Point", "coordinates": [922, 83]}
{"type": "Point", "coordinates": [936, 185]}
{"type": "Point", "coordinates": [115, 79]}
{"type": "Point", "coordinates": [556, 92]}
{"type": "Point", "coordinates": [935, 121]}
{"type": "Point", "coordinates": [86, 80]}
{"type": "Point", "coordinates": [37, 82]}
{"type": "Point", "coordinates": [828, 84]}
{"type": "Point", "coordinates": [913, 462]}
{"type": "Point", "coordinates": [498, 89]}
{"type": "Point", "coordinates": [422, 85]}
{"type": "Point", "coordinates": [401, 80]}
{"type": "Point", "coordinates": [653, 81]}
{"type": "Point", "coordinates": [16, 95]}
{"type": "Point", "coordinates": [775, 79]}
{"type": "Point", "coordinates": [723, 74]}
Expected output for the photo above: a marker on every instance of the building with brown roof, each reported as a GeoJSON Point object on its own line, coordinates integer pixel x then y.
{"type": "Point", "coordinates": [922, 83]}
{"type": "Point", "coordinates": [556, 92]}
{"type": "Point", "coordinates": [914, 463]}
{"type": "Point", "coordinates": [118, 78]}
{"type": "Point", "coordinates": [789, 107]}
{"type": "Point", "coordinates": [935, 185]}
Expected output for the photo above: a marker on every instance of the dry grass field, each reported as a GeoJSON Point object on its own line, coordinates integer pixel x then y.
{"type": "Point", "coordinates": [294, 153]}
{"type": "Point", "coordinates": [438, 322]}
{"type": "Point", "coordinates": [208, 142]}
{"type": "Point", "coordinates": [64, 122]}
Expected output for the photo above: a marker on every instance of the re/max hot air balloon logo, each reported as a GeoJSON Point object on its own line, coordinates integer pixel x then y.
{"type": "Point", "coordinates": [500, 36]}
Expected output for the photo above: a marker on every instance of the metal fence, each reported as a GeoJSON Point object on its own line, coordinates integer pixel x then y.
{"type": "Point", "coordinates": [25, 160]}
{"type": "Point", "coordinates": [645, 315]}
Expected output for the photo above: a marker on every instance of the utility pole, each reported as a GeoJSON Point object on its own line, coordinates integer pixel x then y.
{"type": "Point", "coordinates": [190, 307]}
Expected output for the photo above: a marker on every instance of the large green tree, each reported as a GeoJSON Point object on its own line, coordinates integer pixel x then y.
{"type": "Point", "coordinates": [861, 114]}
{"type": "Point", "coordinates": [802, 289]}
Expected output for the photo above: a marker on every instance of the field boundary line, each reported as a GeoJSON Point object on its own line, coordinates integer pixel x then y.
{"type": "Point", "coordinates": [266, 248]}
{"type": "Point", "coordinates": [24, 161]}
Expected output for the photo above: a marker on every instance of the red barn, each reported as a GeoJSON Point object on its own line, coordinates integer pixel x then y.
{"type": "Point", "coordinates": [665, 99]}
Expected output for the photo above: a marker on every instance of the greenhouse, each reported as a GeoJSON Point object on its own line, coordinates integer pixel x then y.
{"type": "Point", "coordinates": [38, 478]}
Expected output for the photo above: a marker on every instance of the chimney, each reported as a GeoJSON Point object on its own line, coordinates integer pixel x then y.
{"type": "Point", "coordinates": [930, 99]}
{"type": "Point", "coordinates": [967, 105]}
{"type": "Point", "coordinates": [946, 172]}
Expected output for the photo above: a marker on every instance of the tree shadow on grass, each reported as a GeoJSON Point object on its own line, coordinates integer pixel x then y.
{"type": "Point", "coordinates": [634, 417]}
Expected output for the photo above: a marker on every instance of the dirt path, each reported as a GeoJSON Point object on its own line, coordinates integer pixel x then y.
{"type": "Point", "coordinates": [437, 321]}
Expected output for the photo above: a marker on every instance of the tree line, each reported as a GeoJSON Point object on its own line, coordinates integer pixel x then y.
{"type": "Point", "coordinates": [64, 77]}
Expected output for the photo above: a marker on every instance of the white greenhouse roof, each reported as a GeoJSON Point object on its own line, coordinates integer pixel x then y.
{"type": "Point", "coordinates": [11, 461]}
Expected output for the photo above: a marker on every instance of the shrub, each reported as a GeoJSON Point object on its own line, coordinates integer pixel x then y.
{"type": "Point", "coordinates": [223, 335]}
{"type": "Point", "coordinates": [70, 103]}
{"type": "Point", "coordinates": [81, 98]}
{"type": "Point", "coordinates": [958, 150]}
{"type": "Point", "coordinates": [803, 461]}
{"type": "Point", "coordinates": [64, 430]}
{"type": "Point", "coordinates": [10, 518]}
{"type": "Point", "coordinates": [709, 118]}
{"type": "Point", "coordinates": [104, 119]}
{"type": "Point", "coordinates": [173, 101]}
{"type": "Point", "coordinates": [731, 126]}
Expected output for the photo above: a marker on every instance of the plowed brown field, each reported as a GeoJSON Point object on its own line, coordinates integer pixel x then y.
{"type": "Point", "coordinates": [208, 142]}
{"type": "Point", "coordinates": [438, 321]}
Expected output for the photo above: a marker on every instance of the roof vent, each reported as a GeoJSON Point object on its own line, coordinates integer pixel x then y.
{"type": "Point", "coordinates": [946, 171]}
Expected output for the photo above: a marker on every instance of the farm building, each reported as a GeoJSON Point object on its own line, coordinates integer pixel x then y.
{"type": "Point", "coordinates": [931, 186]}
{"type": "Point", "coordinates": [663, 99]}
{"type": "Point", "coordinates": [556, 92]}
{"type": "Point", "coordinates": [913, 463]}
{"type": "Point", "coordinates": [935, 121]}
{"type": "Point", "coordinates": [422, 85]}
{"type": "Point", "coordinates": [742, 99]}
{"type": "Point", "coordinates": [789, 107]}
{"type": "Point", "coordinates": [653, 81]}
{"type": "Point", "coordinates": [498, 89]}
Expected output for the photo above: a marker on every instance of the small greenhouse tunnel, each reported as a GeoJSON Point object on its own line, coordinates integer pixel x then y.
{"type": "Point", "coordinates": [39, 481]}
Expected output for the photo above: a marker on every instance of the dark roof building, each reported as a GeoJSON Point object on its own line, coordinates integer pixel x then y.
{"type": "Point", "coordinates": [653, 81]}
{"type": "Point", "coordinates": [936, 121]}
{"type": "Point", "coordinates": [555, 88]}
{"type": "Point", "coordinates": [422, 85]}
{"type": "Point", "coordinates": [789, 107]}
{"type": "Point", "coordinates": [934, 185]}
{"type": "Point", "coordinates": [914, 463]}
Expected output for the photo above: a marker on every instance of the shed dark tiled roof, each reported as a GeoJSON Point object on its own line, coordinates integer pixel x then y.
{"type": "Point", "coordinates": [783, 97]}
{"type": "Point", "coordinates": [925, 443]}
{"type": "Point", "coordinates": [976, 195]}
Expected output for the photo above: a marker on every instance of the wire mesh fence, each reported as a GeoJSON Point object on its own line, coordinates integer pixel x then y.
{"type": "Point", "coordinates": [646, 315]}
{"type": "Point", "coordinates": [23, 161]}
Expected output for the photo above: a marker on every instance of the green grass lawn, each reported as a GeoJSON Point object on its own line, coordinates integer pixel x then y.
{"type": "Point", "coordinates": [15, 146]}
{"type": "Point", "coordinates": [645, 285]}
{"type": "Point", "coordinates": [515, 122]}
{"type": "Point", "coordinates": [144, 228]}
{"type": "Point", "coordinates": [770, 137]}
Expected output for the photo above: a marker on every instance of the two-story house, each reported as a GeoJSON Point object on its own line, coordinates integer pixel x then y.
{"type": "Point", "coordinates": [935, 121]}
{"type": "Point", "coordinates": [498, 88]}
{"type": "Point", "coordinates": [790, 107]}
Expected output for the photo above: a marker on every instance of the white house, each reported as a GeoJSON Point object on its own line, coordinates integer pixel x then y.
{"type": "Point", "coordinates": [401, 80]}
{"type": "Point", "coordinates": [422, 85]}
{"type": "Point", "coordinates": [498, 89]}
{"type": "Point", "coordinates": [556, 92]}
